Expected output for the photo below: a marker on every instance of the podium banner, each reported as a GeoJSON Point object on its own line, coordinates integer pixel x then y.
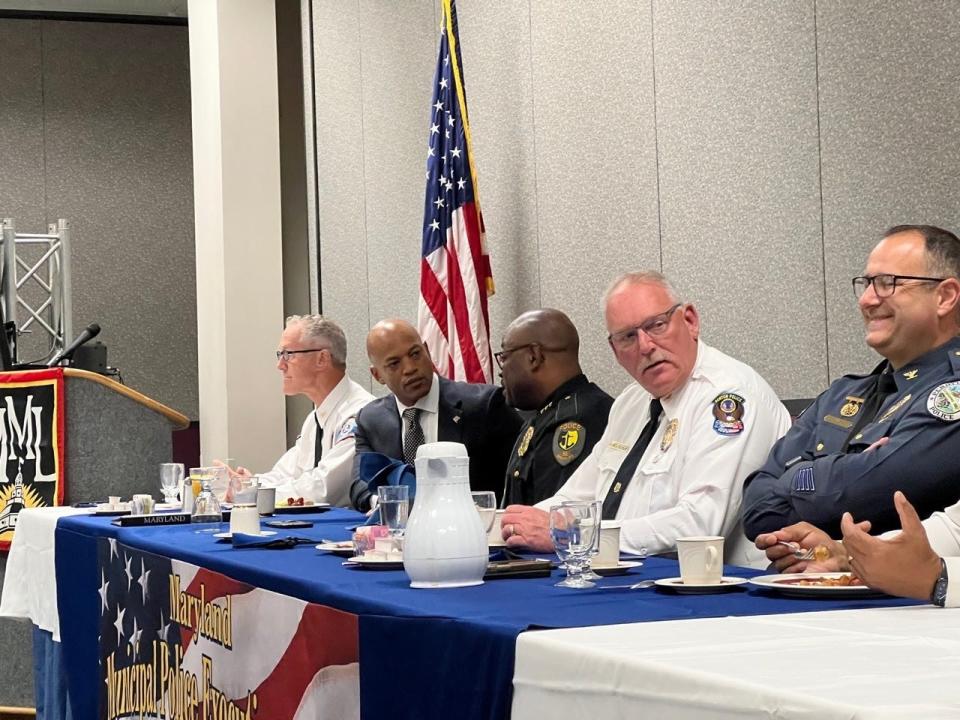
{"type": "Point", "coordinates": [180, 641]}
{"type": "Point", "coordinates": [32, 443]}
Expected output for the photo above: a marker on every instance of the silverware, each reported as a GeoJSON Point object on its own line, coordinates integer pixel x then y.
{"type": "Point", "coordinates": [636, 586]}
{"type": "Point", "coordinates": [798, 552]}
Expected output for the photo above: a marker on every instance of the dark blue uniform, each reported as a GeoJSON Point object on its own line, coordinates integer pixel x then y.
{"type": "Point", "coordinates": [554, 442]}
{"type": "Point", "coordinates": [819, 469]}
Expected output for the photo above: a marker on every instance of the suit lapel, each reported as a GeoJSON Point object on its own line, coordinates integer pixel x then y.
{"type": "Point", "coordinates": [394, 427]}
{"type": "Point", "coordinates": [450, 415]}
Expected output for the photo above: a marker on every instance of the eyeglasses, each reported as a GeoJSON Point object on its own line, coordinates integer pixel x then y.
{"type": "Point", "coordinates": [653, 327]}
{"type": "Point", "coordinates": [501, 357]}
{"type": "Point", "coordinates": [885, 285]}
{"type": "Point", "coordinates": [285, 355]}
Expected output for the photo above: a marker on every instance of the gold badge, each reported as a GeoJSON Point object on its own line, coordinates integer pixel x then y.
{"type": "Point", "coordinates": [911, 374]}
{"type": "Point", "coordinates": [852, 407]}
{"type": "Point", "coordinates": [568, 442]}
{"type": "Point", "coordinates": [616, 488]}
{"type": "Point", "coordinates": [669, 434]}
{"type": "Point", "coordinates": [525, 443]}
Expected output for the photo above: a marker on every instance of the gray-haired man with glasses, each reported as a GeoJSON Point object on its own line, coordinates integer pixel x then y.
{"type": "Point", "coordinates": [680, 439]}
{"type": "Point", "coordinates": [894, 429]}
{"type": "Point", "coordinates": [312, 358]}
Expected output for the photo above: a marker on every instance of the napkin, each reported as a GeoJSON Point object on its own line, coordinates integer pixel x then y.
{"type": "Point", "coordinates": [240, 540]}
{"type": "Point", "coordinates": [378, 469]}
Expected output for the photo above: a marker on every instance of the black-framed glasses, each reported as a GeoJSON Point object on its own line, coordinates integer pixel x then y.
{"type": "Point", "coordinates": [502, 355]}
{"type": "Point", "coordinates": [653, 327]}
{"type": "Point", "coordinates": [885, 284]}
{"type": "Point", "coordinates": [285, 355]}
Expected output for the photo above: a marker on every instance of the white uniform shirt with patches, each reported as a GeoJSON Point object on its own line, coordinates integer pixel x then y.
{"type": "Point", "coordinates": [693, 486]}
{"type": "Point", "coordinates": [296, 475]}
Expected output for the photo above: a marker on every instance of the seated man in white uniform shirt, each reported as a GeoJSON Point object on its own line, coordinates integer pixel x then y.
{"type": "Point", "coordinates": [313, 359]}
{"type": "Point", "coordinates": [680, 439]}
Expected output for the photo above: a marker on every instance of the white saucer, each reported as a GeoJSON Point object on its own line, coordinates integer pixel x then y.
{"type": "Point", "coordinates": [228, 535]}
{"type": "Point", "coordinates": [374, 563]}
{"type": "Point", "coordinates": [619, 569]}
{"type": "Point", "coordinates": [677, 585]}
{"type": "Point", "coordinates": [343, 549]}
{"type": "Point", "coordinates": [497, 544]}
{"type": "Point", "coordinates": [168, 506]}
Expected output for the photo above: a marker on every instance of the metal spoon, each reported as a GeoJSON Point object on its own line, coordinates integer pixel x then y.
{"type": "Point", "coordinates": [636, 586]}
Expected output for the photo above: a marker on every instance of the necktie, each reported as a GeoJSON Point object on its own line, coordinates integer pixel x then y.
{"type": "Point", "coordinates": [611, 503]}
{"type": "Point", "coordinates": [412, 434]}
{"type": "Point", "coordinates": [318, 443]}
{"type": "Point", "coordinates": [882, 387]}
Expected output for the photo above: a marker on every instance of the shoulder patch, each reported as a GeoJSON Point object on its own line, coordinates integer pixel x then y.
{"type": "Point", "coordinates": [728, 414]}
{"type": "Point", "coordinates": [944, 401]}
{"type": "Point", "coordinates": [568, 442]}
{"type": "Point", "coordinates": [347, 429]}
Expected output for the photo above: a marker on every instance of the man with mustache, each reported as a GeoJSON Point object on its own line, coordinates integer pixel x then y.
{"type": "Point", "coordinates": [894, 429]}
{"type": "Point", "coordinates": [680, 439]}
{"type": "Point", "coordinates": [425, 407]}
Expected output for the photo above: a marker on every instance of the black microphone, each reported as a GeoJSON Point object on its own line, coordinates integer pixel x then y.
{"type": "Point", "coordinates": [90, 332]}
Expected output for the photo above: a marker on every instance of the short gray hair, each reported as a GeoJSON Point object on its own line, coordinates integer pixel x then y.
{"type": "Point", "coordinates": [318, 330]}
{"type": "Point", "coordinates": [642, 277]}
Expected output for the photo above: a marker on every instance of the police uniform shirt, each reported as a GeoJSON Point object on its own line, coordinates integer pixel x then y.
{"type": "Point", "coordinates": [553, 443]}
{"type": "Point", "coordinates": [716, 429]}
{"type": "Point", "coordinates": [296, 473]}
{"type": "Point", "coordinates": [809, 476]}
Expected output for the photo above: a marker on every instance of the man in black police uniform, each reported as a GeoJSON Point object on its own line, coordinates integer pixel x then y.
{"type": "Point", "coordinates": [894, 429]}
{"type": "Point", "coordinates": [540, 367]}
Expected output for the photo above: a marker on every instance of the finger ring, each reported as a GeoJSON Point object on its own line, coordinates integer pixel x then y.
{"type": "Point", "coordinates": [511, 533]}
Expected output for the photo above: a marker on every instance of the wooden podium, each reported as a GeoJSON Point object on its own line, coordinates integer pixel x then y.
{"type": "Point", "coordinates": [115, 439]}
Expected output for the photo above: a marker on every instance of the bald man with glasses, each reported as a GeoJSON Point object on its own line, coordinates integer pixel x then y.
{"type": "Point", "coordinates": [897, 428]}
{"type": "Point", "coordinates": [680, 438]}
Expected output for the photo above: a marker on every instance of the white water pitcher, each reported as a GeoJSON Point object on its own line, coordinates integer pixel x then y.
{"type": "Point", "coordinates": [445, 543]}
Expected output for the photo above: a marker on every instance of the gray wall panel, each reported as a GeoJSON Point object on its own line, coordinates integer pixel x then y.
{"type": "Point", "coordinates": [340, 176]}
{"type": "Point", "coordinates": [397, 62]}
{"type": "Point", "coordinates": [596, 164]}
{"type": "Point", "coordinates": [119, 168]}
{"type": "Point", "coordinates": [890, 127]}
{"type": "Point", "coordinates": [500, 98]}
{"type": "Point", "coordinates": [739, 186]}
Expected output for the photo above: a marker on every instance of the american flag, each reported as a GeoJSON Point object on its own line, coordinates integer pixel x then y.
{"type": "Point", "coordinates": [455, 276]}
{"type": "Point", "coordinates": [290, 659]}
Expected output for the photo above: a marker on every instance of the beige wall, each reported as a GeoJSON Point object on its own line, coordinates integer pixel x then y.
{"type": "Point", "coordinates": [752, 150]}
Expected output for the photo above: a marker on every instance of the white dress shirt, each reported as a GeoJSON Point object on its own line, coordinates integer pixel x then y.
{"type": "Point", "coordinates": [429, 406]}
{"type": "Point", "coordinates": [297, 475]}
{"type": "Point", "coordinates": [690, 484]}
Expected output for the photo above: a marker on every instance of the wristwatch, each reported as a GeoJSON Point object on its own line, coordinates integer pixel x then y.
{"type": "Point", "coordinates": [939, 595]}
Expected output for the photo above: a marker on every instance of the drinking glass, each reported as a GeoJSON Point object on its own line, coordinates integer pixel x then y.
{"type": "Point", "coordinates": [394, 506]}
{"type": "Point", "coordinates": [587, 572]}
{"type": "Point", "coordinates": [171, 475]}
{"type": "Point", "coordinates": [206, 508]}
{"type": "Point", "coordinates": [486, 504]}
{"type": "Point", "coordinates": [572, 529]}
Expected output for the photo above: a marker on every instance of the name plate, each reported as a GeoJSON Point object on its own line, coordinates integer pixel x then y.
{"type": "Point", "coordinates": [164, 519]}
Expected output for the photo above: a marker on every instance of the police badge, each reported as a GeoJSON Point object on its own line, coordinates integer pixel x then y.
{"type": "Point", "coordinates": [728, 414]}
{"type": "Point", "coordinates": [568, 442]}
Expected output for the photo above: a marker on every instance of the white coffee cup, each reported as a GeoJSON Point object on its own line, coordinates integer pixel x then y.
{"type": "Point", "coordinates": [266, 500]}
{"type": "Point", "coordinates": [495, 536]}
{"type": "Point", "coordinates": [609, 554]}
{"type": "Point", "coordinates": [245, 519]}
{"type": "Point", "coordinates": [701, 559]}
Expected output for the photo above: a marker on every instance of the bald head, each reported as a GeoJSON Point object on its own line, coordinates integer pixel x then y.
{"type": "Point", "coordinates": [540, 353]}
{"type": "Point", "coordinates": [399, 360]}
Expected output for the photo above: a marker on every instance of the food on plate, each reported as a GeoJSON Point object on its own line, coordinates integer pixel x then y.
{"type": "Point", "coordinates": [845, 580]}
{"type": "Point", "coordinates": [291, 502]}
{"type": "Point", "coordinates": [821, 553]}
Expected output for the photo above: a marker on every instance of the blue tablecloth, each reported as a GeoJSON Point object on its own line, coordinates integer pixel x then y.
{"type": "Point", "coordinates": [452, 649]}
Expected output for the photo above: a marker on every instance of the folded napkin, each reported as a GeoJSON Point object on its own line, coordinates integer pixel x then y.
{"type": "Point", "coordinates": [240, 540]}
{"type": "Point", "coordinates": [378, 469]}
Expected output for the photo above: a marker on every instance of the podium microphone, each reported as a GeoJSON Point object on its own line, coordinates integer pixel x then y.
{"type": "Point", "coordinates": [90, 332]}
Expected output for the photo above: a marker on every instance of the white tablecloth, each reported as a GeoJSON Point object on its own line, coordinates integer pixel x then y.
{"type": "Point", "coordinates": [30, 581]}
{"type": "Point", "coordinates": [877, 663]}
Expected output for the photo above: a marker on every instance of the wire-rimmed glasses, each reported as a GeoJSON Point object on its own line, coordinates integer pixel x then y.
{"type": "Point", "coordinates": [652, 327]}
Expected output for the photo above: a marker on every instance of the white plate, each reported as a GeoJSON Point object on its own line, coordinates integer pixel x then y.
{"type": "Point", "coordinates": [168, 506]}
{"type": "Point", "coordinates": [373, 563]}
{"type": "Point", "coordinates": [619, 569]}
{"type": "Point", "coordinates": [786, 585]}
{"type": "Point", "coordinates": [344, 549]}
{"type": "Point", "coordinates": [228, 535]}
{"type": "Point", "coordinates": [677, 585]}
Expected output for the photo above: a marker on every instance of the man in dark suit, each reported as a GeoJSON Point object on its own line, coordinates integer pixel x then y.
{"type": "Point", "coordinates": [424, 407]}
